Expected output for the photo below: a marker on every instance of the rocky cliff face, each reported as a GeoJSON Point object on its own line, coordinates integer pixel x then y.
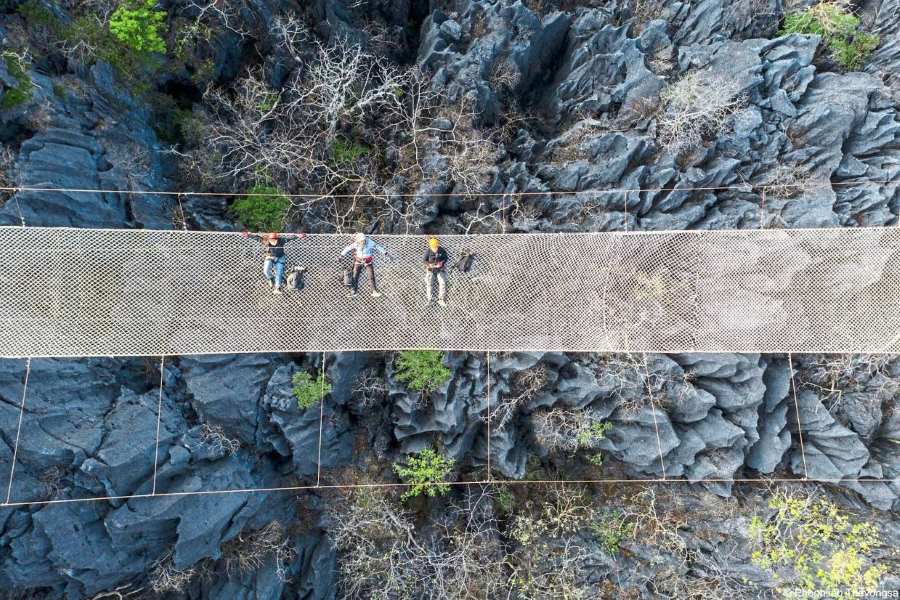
{"type": "Point", "coordinates": [576, 97]}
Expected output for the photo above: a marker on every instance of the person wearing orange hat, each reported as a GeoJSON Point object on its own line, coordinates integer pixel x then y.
{"type": "Point", "coordinates": [435, 268]}
{"type": "Point", "coordinates": [273, 266]}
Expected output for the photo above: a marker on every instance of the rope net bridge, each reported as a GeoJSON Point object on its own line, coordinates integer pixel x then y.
{"type": "Point", "coordinates": [93, 292]}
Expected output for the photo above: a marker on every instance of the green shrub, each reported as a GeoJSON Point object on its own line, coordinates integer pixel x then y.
{"type": "Point", "coordinates": [422, 370]}
{"type": "Point", "coordinates": [505, 501]}
{"type": "Point", "coordinates": [819, 543]}
{"type": "Point", "coordinates": [138, 24]}
{"type": "Point", "coordinates": [610, 529]}
{"type": "Point", "coordinates": [174, 124]}
{"type": "Point", "coordinates": [264, 209]}
{"type": "Point", "coordinates": [838, 28]}
{"type": "Point", "coordinates": [22, 92]}
{"type": "Point", "coordinates": [134, 64]}
{"type": "Point", "coordinates": [309, 391]}
{"type": "Point", "coordinates": [852, 54]}
{"type": "Point", "coordinates": [345, 151]}
{"type": "Point", "coordinates": [589, 436]}
{"type": "Point", "coordinates": [596, 459]}
{"type": "Point", "coordinates": [36, 14]}
{"type": "Point", "coordinates": [268, 101]}
{"type": "Point", "coordinates": [426, 472]}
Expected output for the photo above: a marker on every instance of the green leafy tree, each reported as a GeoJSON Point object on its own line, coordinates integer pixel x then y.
{"type": "Point", "coordinates": [263, 209]}
{"type": "Point", "coordinates": [308, 390]}
{"type": "Point", "coordinates": [838, 28]}
{"type": "Point", "coordinates": [422, 370]}
{"type": "Point", "coordinates": [139, 25]}
{"type": "Point", "coordinates": [426, 472]}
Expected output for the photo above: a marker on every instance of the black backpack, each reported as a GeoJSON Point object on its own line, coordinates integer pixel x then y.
{"type": "Point", "coordinates": [295, 279]}
{"type": "Point", "coordinates": [466, 258]}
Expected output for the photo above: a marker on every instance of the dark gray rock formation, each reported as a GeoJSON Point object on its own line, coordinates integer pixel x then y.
{"type": "Point", "coordinates": [886, 58]}
{"type": "Point", "coordinates": [576, 93]}
{"type": "Point", "coordinates": [90, 137]}
{"type": "Point", "coordinates": [89, 430]}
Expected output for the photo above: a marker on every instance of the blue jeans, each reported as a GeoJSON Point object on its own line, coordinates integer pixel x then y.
{"type": "Point", "coordinates": [276, 279]}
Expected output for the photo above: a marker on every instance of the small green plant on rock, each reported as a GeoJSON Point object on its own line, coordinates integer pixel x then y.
{"type": "Point", "coordinates": [422, 370]}
{"type": "Point", "coordinates": [569, 430]}
{"type": "Point", "coordinates": [21, 93]}
{"type": "Point", "coordinates": [345, 151]}
{"type": "Point", "coordinates": [263, 209]}
{"type": "Point", "coordinates": [611, 528]}
{"type": "Point", "coordinates": [594, 433]}
{"type": "Point", "coordinates": [426, 472]}
{"type": "Point", "coordinates": [138, 25]}
{"type": "Point", "coordinates": [818, 543]}
{"type": "Point", "coordinates": [505, 500]}
{"type": "Point", "coordinates": [838, 28]}
{"type": "Point", "coordinates": [309, 391]}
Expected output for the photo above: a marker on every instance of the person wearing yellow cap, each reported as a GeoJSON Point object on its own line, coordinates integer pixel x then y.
{"type": "Point", "coordinates": [435, 268]}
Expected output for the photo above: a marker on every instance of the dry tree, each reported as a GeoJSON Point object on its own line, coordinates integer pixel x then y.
{"type": "Point", "coordinates": [299, 135]}
{"type": "Point", "coordinates": [122, 592]}
{"type": "Point", "coordinates": [644, 11]}
{"type": "Point", "coordinates": [630, 379]}
{"type": "Point", "coordinates": [694, 107]}
{"type": "Point", "coordinates": [52, 480]}
{"type": "Point", "coordinates": [504, 76]}
{"type": "Point", "coordinates": [7, 172]}
{"type": "Point", "coordinates": [164, 577]}
{"type": "Point", "coordinates": [215, 438]}
{"type": "Point", "coordinates": [207, 17]}
{"type": "Point", "coordinates": [382, 553]}
{"type": "Point", "coordinates": [370, 389]}
{"type": "Point", "coordinates": [249, 552]}
{"type": "Point", "coordinates": [791, 181]}
{"type": "Point", "coordinates": [684, 569]}
{"type": "Point", "coordinates": [832, 376]}
{"type": "Point", "coordinates": [553, 556]}
{"type": "Point", "coordinates": [421, 126]}
{"type": "Point", "coordinates": [636, 381]}
{"type": "Point", "coordinates": [324, 129]}
{"type": "Point", "coordinates": [524, 387]}
{"type": "Point", "coordinates": [568, 430]}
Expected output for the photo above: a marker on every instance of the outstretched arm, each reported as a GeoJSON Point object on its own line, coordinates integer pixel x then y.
{"type": "Point", "coordinates": [296, 236]}
{"type": "Point", "coordinates": [347, 250]}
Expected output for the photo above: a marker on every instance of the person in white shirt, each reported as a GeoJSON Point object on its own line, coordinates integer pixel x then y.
{"type": "Point", "coordinates": [363, 251]}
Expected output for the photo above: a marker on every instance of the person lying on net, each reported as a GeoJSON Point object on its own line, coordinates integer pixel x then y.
{"type": "Point", "coordinates": [273, 245]}
{"type": "Point", "coordinates": [435, 268]}
{"type": "Point", "coordinates": [363, 251]}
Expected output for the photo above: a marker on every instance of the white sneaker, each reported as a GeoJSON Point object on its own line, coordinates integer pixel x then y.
{"type": "Point", "coordinates": [277, 291]}
{"type": "Point", "coordinates": [377, 294]}
{"type": "Point", "coordinates": [442, 303]}
{"type": "Point", "coordinates": [351, 295]}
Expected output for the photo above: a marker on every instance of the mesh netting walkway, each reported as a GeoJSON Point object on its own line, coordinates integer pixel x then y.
{"type": "Point", "coordinates": [83, 292]}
